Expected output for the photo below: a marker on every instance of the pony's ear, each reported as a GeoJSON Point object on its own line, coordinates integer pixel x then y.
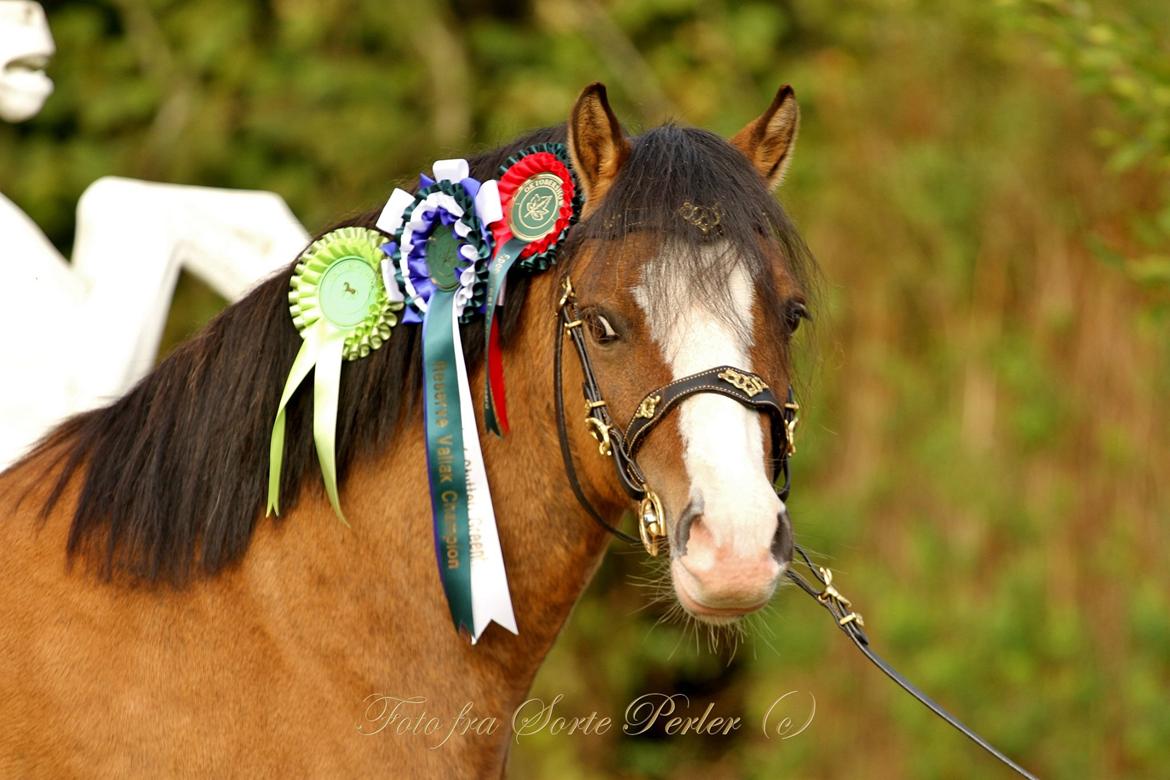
{"type": "Point", "coordinates": [596, 142]}
{"type": "Point", "coordinates": [769, 138]}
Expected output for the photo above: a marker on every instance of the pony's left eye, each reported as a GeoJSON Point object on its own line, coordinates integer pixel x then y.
{"type": "Point", "coordinates": [796, 312]}
{"type": "Point", "coordinates": [600, 328]}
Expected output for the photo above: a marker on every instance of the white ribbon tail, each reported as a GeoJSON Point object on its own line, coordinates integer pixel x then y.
{"type": "Point", "coordinates": [452, 170]}
{"type": "Point", "coordinates": [391, 218]}
{"type": "Point", "coordinates": [490, 597]}
{"type": "Point", "coordinates": [390, 282]}
{"type": "Point", "coordinates": [487, 202]}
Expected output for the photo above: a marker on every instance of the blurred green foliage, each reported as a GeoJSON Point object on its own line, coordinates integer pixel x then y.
{"type": "Point", "coordinates": [1123, 57]}
{"type": "Point", "coordinates": [984, 453]}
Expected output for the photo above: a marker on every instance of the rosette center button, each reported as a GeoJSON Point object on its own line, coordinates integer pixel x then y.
{"type": "Point", "coordinates": [536, 207]}
{"type": "Point", "coordinates": [348, 289]}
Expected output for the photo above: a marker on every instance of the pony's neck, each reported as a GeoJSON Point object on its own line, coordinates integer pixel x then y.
{"type": "Point", "coordinates": [382, 575]}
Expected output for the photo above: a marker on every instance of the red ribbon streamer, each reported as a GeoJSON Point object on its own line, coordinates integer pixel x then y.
{"type": "Point", "coordinates": [496, 377]}
{"type": "Point", "coordinates": [524, 168]}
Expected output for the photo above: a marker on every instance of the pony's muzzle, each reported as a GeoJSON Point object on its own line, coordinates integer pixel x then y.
{"type": "Point", "coordinates": [718, 581]}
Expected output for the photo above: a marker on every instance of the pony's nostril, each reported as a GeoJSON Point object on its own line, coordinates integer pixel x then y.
{"type": "Point", "coordinates": [693, 512]}
{"type": "Point", "coordinates": [782, 541]}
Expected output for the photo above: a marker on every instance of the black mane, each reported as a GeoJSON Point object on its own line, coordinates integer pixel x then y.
{"type": "Point", "coordinates": [174, 473]}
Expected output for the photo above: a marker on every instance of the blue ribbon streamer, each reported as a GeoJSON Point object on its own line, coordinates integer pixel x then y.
{"type": "Point", "coordinates": [445, 457]}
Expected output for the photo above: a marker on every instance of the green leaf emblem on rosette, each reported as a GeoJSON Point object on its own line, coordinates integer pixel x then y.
{"type": "Point", "coordinates": [540, 201]}
{"type": "Point", "coordinates": [342, 310]}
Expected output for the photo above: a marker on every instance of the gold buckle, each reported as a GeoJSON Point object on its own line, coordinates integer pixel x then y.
{"type": "Point", "coordinates": [600, 431]}
{"type": "Point", "coordinates": [567, 292]}
{"type": "Point", "coordinates": [651, 521]}
{"type": "Point", "coordinates": [790, 427]}
{"type": "Point", "coordinates": [831, 593]}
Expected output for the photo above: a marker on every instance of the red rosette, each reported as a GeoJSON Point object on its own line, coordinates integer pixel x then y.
{"type": "Point", "coordinates": [523, 169]}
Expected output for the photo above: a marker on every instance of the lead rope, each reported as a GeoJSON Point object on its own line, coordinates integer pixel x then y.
{"type": "Point", "coordinates": [850, 623]}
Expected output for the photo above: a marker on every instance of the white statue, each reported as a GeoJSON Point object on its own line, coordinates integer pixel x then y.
{"type": "Point", "coordinates": [25, 48]}
{"type": "Point", "coordinates": [76, 335]}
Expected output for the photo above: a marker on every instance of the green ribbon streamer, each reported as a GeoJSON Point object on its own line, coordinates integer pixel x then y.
{"type": "Point", "coordinates": [321, 349]}
{"type": "Point", "coordinates": [326, 391]}
{"type": "Point", "coordinates": [509, 253]}
{"type": "Point", "coordinates": [445, 459]}
{"type": "Point", "coordinates": [302, 365]}
{"type": "Point", "coordinates": [340, 307]}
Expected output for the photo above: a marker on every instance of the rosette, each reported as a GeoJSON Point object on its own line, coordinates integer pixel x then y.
{"type": "Point", "coordinates": [442, 238]}
{"type": "Point", "coordinates": [540, 200]}
{"type": "Point", "coordinates": [341, 309]}
{"type": "Point", "coordinates": [439, 251]}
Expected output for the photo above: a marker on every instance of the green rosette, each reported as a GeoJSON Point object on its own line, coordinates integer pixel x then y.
{"type": "Point", "coordinates": [339, 306]}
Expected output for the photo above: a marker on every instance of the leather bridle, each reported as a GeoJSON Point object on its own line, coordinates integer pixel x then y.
{"type": "Point", "coordinates": [622, 445]}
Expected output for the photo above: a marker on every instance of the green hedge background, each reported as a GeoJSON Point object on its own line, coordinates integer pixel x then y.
{"type": "Point", "coordinates": [984, 454]}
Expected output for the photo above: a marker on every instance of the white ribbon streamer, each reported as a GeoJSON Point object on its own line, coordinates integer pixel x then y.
{"type": "Point", "coordinates": [490, 596]}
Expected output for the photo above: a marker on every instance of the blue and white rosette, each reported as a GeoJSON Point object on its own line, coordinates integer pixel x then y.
{"type": "Point", "coordinates": [438, 257]}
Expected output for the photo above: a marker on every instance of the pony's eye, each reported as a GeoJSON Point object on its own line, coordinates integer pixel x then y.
{"type": "Point", "coordinates": [796, 312]}
{"type": "Point", "coordinates": [600, 328]}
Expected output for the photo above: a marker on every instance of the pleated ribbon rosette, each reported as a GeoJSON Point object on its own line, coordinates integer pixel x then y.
{"type": "Point", "coordinates": [452, 245]}
{"type": "Point", "coordinates": [441, 245]}
{"type": "Point", "coordinates": [341, 309]}
{"type": "Point", "coordinates": [539, 201]}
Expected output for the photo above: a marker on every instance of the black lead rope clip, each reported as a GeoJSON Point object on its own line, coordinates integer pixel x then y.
{"type": "Point", "coordinates": [851, 623]}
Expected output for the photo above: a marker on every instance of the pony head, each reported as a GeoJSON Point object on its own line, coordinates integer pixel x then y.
{"type": "Point", "coordinates": [683, 262]}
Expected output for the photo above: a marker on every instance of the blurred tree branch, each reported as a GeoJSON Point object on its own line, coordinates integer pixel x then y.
{"type": "Point", "coordinates": [626, 63]}
{"type": "Point", "coordinates": [442, 49]}
{"type": "Point", "coordinates": [158, 61]}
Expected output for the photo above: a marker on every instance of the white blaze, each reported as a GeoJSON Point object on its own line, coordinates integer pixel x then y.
{"type": "Point", "coordinates": [723, 443]}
